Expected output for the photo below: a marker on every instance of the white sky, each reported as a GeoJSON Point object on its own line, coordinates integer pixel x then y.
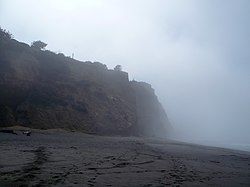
{"type": "Point", "coordinates": [195, 53]}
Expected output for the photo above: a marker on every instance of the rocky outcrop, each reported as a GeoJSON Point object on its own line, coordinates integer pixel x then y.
{"type": "Point", "coordinates": [41, 89]}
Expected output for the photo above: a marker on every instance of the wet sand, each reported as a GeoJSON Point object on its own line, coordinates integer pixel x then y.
{"type": "Point", "coordinates": [59, 158]}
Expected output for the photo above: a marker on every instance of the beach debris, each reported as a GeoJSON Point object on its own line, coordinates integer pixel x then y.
{"type": "Point", "coordinates": [73, 147]}
{"type": "Point", "coordinates": [8, 131]}
{"type": "Point", "coordinates": [27, 133]}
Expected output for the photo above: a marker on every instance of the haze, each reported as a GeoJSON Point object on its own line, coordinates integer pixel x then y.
{"type": "Point", "coordinates": [194, 53]}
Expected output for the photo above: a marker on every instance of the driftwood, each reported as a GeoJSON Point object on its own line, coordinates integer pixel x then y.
{"type": "Point", "coordinates": [8, 131]}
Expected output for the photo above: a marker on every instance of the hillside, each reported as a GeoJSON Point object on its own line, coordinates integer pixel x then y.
{"type": "Point", "coordinates": [44, 90]}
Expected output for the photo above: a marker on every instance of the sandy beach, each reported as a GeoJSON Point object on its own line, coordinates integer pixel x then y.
{"type": "Point", "coordinates": [60, 158]}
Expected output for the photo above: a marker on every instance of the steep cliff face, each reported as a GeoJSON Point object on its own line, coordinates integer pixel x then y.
{"type": "Point", "coordinates": [40, 89]}
{"type": "Point", "coordinates": [152, 120]}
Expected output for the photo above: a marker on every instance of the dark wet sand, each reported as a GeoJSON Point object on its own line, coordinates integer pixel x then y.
{"type": "Point", "coordinates": [77, 159]}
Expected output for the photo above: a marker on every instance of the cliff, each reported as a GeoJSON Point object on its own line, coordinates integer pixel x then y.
{"type": "Point", "coordinates": [41, 89]}
{"type": "Point", "coordinates": [152, 119]}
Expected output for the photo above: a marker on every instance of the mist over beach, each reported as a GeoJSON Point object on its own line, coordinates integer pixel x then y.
{"type": "Point", "coordinates": [124, 93]}
{"type": "Point", "coordinates": [194, 53]}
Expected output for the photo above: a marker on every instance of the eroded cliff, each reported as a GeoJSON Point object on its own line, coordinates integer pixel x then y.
{"type": "Point", "coordinates": [41, 89]}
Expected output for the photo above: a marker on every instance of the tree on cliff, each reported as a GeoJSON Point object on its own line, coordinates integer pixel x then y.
{"type": "Point", "coordinates": [5, 34]}
{"type": "Point", "coordinates": [38, 44]}
{"type": "Point", "coordinates": [118, 68]}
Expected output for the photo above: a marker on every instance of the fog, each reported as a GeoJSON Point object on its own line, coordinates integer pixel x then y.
{"type": "Point", "coordinates": [194, 53]}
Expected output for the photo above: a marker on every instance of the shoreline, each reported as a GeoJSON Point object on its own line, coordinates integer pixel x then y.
{"type": "Point", "coordinates": [20, 129]}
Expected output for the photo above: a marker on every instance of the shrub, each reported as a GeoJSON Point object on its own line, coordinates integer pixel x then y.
{"type": "Point", "coordinates": [38, 44]}
{"type": "Point", "coordinates": [118, 68]}
{"type": "Point", "coordinates": [5, 34]}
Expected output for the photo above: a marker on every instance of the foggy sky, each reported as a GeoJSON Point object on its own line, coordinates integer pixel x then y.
{"type": "Point", "coordinates": [195, 53]}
